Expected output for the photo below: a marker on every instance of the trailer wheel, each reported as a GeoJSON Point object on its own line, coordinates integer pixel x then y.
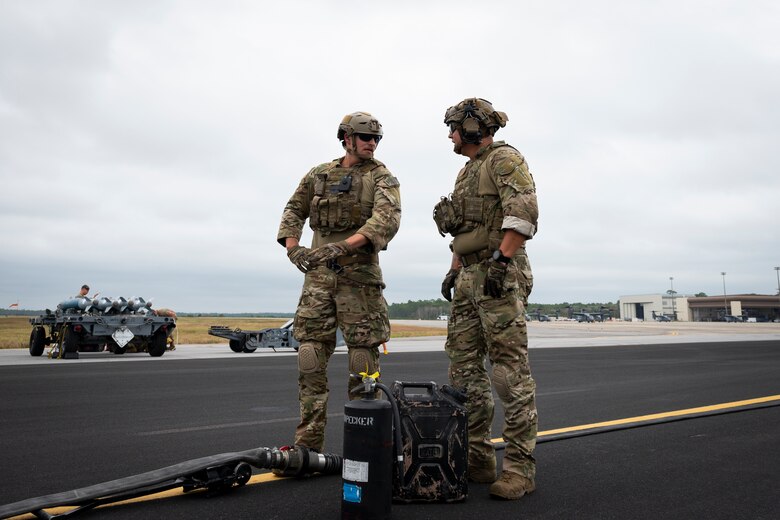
{"type": "Point", "coordinates": [37, 341]}
{"type": "Point", "coordinates": [248, 350]}
{"type": "Point", "coordinates": [236, 346]}
{"type": "Point", "coordinates": [158, 344]}
{"type": "Point", "coordinates": [70, 341]}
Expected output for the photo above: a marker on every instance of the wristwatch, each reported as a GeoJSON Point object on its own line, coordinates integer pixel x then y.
{"type": "Point", "coordinates": [498, 256]}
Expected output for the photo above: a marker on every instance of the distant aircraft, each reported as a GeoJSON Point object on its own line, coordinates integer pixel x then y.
{"type": "Point", "coordinates": [661, 317]}
{"type": "Point", "coordinates": [583, 317]}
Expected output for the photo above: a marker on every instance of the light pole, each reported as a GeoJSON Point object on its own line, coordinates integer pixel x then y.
{"type": "Point", "coordinates": [672, 293]}
{"type": "Point", "coordinates": [725, 305]}
{"type": "Point", "coordinates": [777, 270]}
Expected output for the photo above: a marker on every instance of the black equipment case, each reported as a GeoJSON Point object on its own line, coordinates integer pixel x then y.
{"type": "Point", "coordinates": [434, 434]}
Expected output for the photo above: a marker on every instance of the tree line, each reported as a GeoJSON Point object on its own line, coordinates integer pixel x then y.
{"type": "Point", "coordinates": [432, 309]}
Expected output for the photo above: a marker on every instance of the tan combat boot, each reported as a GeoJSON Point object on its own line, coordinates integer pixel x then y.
{"type": "Point", "coordinates": [482, 472]}
{"type": "Point", "coordinates": [511, 486]}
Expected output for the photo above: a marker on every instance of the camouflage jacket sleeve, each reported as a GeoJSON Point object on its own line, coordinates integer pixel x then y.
{"type": "Point", "coordinates": [297, 210]}
{"type": "Point", "coordinates": [385, 218]}
{"type": "Point", "coordinates": [517, 191]}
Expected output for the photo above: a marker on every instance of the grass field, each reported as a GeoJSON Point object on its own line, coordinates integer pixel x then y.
{"type": "Point", "coordinates": [15, 330]}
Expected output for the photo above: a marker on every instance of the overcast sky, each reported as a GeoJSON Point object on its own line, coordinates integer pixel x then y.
{"type": "Point", "coordinates": [148, 148]}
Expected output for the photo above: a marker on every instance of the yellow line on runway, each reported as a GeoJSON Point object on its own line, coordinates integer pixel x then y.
{"type": "Point", "coordinates": [270, 477]}
{"type": "Point", "coordinates": [655, 416]}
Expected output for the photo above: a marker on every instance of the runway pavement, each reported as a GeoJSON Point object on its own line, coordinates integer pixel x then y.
{"type": "Point", "coordinates": [67, 424]}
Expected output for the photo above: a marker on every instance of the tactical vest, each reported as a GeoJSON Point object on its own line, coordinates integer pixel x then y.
{"type": "Point", "coordinates": [336, 205]}
{"type": "Point", "coordinates": [465, 210]}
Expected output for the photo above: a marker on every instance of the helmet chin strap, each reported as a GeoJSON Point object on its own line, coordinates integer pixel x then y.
{"type": "Point", "coordinates": [351, 149]}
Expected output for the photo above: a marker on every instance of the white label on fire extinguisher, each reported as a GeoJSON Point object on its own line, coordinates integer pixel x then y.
{"type": "Point", "coordinates": [355, 471]}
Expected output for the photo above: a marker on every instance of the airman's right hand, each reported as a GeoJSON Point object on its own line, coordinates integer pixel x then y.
{"type": "Point", "coordinates": [448, 284]}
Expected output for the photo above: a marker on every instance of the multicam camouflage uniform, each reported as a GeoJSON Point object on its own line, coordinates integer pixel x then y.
{"type": "Point", "coordinates": [493, 192]}
{"type": "Point", "coordinates": [340, 202]}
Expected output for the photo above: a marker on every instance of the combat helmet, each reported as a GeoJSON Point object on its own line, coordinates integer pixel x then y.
{"type": "Point", "coordinates": [476, 118]}
{"type": "Point", "coordinates": [359, 123]}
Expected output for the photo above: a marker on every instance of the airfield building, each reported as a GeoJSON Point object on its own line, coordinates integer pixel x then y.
{"type": "Point", "coordinates": [730, 307]}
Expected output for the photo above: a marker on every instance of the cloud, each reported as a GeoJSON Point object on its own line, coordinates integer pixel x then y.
{"type": "Point", "coordinates": [149, 148]}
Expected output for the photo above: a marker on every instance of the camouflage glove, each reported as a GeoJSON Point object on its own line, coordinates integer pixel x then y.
{"type": "Point", "coordinates": [299, 256]}
{"type": "Point", "coordinates": [328, 252]}
{"type": "Point", "coordinates": [448, 284]}
{"type": "Point", "coordinates": [494, 279]}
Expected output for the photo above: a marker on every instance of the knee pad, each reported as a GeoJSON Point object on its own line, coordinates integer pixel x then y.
{"type": "Point", "coordinates": [361, 360]}
{"type": "Point", "coordinates": [308, 361]}
{"type": "Point", "coordinates": [500, 381]}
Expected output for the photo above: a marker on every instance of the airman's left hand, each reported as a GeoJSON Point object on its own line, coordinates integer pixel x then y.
{"type": "Point", "coordinates": [323, 254]}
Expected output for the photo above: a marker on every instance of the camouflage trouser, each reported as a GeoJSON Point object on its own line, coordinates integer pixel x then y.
{"type": "Point", "coordinates": [329, 301]}
{"type": "Point", "coordinates": [480, 327]}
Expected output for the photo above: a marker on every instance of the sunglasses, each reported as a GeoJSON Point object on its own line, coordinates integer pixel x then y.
{"type": "Point", "coordinates": [369, 137]}
{"type": "Point", "coordinates": [454, 127]}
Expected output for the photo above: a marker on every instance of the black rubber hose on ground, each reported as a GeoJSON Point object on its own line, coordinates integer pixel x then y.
{"type": "Point", "coordinates": [296, 460]}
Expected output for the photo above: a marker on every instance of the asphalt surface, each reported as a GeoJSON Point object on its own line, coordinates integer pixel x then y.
{"type": "Point", "coordinates": [70, 424]}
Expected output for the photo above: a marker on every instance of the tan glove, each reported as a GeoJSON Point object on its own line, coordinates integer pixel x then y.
{"type": "Point", "coordinates": [323, 254]}
{"type": "Point", "coordinates": [299, 256]}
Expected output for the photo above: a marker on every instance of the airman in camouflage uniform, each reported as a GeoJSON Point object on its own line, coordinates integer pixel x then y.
{"type": "Point", "coordinates": [490, 214]}
{"type": "Point", "coordinates": [354, 207]}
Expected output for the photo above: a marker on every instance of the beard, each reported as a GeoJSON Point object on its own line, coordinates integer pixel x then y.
{"type": "Point", "coordinates": [364, 155]}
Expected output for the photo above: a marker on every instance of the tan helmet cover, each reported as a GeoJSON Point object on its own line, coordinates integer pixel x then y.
{"type": "Point", "coordinates": [359, 123]}
{"type": "Point", "coordinates": [475, 113]}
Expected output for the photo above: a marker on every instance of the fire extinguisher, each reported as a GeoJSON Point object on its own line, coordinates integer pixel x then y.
{"type": "Point", "coordinates": [372, 452]}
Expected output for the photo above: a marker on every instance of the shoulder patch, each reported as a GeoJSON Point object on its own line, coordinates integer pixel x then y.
{"type": "Point", "coordinates": [390, 181]}
{"type": "Point", "coordinates": [507, 164]}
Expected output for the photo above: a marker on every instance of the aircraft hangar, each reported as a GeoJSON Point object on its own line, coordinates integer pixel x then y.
{"type": "Point", "coordinates": [729, 307]}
